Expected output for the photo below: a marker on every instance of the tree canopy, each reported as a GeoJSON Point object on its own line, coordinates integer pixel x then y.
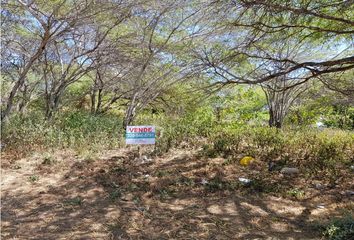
{"type": "Point", "coordinates": [130, 54]}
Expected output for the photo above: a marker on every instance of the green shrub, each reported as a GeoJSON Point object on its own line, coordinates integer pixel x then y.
{"type": "Point", "coordinates": [77, 130]}
{"type": "Point", "coordinates": [269, 141]}
{"type": "Point", "coordinates": [33, 178]}
{"type": "Point", "coordinates": [295, 192]}
{"type": "Point", "coordinates": [340, 229]}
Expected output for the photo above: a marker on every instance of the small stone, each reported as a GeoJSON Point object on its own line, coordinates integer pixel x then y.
{"type": "Point", "coordinates": [204, 181]}
{"type": "Point", "coordinates": [349, 193]}
{"type": "Point", "coordinates": [127, 197]}
{"type": "Point", "coordinates": [144, 159]}
{"type": "Point", "coordinates": [319, 186]}
{"type": "Point", "coordinates": [321, 206]}
{"type": "Point", "coordinates": [244, 180]}
{"type": "Point", "coordinates": [288, 170]}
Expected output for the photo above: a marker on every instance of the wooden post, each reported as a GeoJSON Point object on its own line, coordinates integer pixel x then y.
{"type": "Point", "coordinates": [139, 152]}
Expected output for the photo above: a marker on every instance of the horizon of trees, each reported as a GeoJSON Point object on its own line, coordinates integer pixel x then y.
{"type": "Point", "coordinates": [129, 54]}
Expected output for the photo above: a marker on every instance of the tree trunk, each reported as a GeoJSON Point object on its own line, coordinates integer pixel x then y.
{"type": "Point", "coordinates": [96, 95]}
{"type": "Point", "coordinates": [93, 100]}
{"type": "Point", "coordinates": [52, 104]}
{"type": "Point", "coordinates": [23, 103]}
{"type": "Point", "coordinates": [129, 116]}
{"type": "Point", "coordinates": [22, 77]}
{"type": "Point", "coordinates": [130, 113]}
{"type": "Point", "coordinates": [275, 118]}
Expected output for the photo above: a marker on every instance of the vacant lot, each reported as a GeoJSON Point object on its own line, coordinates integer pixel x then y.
{"type": "Point", "coordinates": [180, 195]}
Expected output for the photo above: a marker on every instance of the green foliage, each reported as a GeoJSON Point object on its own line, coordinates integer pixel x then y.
{"type": "Point", "coordinates": [341, 116]}
{"type": "Point", "coordinates": [333, 115]}
{"type": "Point", "coordinates": [48, 160]}
{"type": "Point", "coordinates": [295, 192]}
{"type": "Point", "coordinates": [215, 185]}
{"type": "Point", "coordinates": [77, 201]}
{"type": "Point", "coordinates": [313, 150]}
{"type": "Point", "coordinates": [172, 131]}
{"type": "Point", "coordinates": [227, 139]}
{"type": "Point", "coordinates": [77, 130]}
{"type": "Point", "coordinates": [115, 194]}
{"type": "Point", "coordinates": [270, 141]}
{"type": "Point", "coordinates": [340, 229]}
{"type": "Point", "coordinates": [33, 178]}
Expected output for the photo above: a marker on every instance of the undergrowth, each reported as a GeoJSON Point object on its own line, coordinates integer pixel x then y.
{"type": "Point", "coordinates": [315, 151]}
{"type": "Point", "coordinates": [339, 228]}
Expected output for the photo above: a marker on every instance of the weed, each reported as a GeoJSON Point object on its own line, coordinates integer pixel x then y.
{"type": "Point", "coordinates": [77, 201]}
{"type": "Point", "coordinates": [209, 151]}
{"type": "Point", "coordinates": [48, 160]}
{"type": "Point", "coordinates": [115, 194]}
{"type": "Point", "coordinates": [77, 130]}
{"type": "Point", "coordinates": [215, 185]}
{"type": "Point", "coordinates": [229, 161]}
{"type": "Point", "coordinates": [132, 187]}
{"type": "Point", "coordinates": [295, 192]}
{"type": "Point", "coordinates": [166, 193]}
{"type": "Point", "coordinates": [162, 173]}
{"type": "Point", "coordinates": [261, 185]}
{"type": "Point", "coordinates": [340, 228]}
{"type": "Point", "coordinates": [33, 178]}
{"type": "Point", "coordinates": [118, 170]}
{"type": "Point", "coordinates": [184, 181]}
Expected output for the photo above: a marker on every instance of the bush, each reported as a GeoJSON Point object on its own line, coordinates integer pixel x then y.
{"type": "Point", "coordinates": [340, 229]}
{"type": "Point", "coordinates": [77, 130]}
{"type": "Point", "coordinates": [173, 130]}
{"type": "Point", "coordinates": [313, 150]}
{"type": "Point", "coordinates": [269, 141]}
{"type": "Point", "coordinates": [227, 139]}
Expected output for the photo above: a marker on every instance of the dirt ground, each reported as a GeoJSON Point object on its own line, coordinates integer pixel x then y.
{"type": "Point", "coordinates": [180, 195]}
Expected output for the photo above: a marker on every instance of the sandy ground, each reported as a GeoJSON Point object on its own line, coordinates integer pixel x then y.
{"type": "Point", "coordinates": [117, 196]}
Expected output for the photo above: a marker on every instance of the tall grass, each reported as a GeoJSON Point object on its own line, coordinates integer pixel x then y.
{"type": "Point", "coordinates": [75, 130]}
{"type": "Point", "coordinates": [312, 149]}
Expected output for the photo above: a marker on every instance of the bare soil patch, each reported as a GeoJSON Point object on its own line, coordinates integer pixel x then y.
{"type": "Point", "coordinates": [181, 195]}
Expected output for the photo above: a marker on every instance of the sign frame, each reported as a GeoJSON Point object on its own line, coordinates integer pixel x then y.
{"type": "Point", "coordinates": [140, 135]}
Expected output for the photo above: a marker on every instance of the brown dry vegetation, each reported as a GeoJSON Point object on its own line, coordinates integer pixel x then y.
{"type": "Point", "coordinates": [117, 197]}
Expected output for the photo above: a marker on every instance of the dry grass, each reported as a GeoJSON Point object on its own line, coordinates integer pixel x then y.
{"type": "Point", "coordinates": [115, 197]}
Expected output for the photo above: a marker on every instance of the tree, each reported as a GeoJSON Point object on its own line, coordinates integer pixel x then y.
{"type": "Point", "coordinates": [58, 31]}
{"type": "Point", "coordinates": [37, 24]}
{"type": "Point", "coordinates": [162, 33]}
{"type": "Point", "coordinates": [251, 29]}
{"type": "Point", "coordinates": [280, 98]}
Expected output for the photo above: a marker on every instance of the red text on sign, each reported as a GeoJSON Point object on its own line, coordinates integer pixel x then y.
{"type": "Point", "coordinates": [140, 129]}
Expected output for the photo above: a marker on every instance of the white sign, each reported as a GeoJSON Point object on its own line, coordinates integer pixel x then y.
{"type": "Point", "coordinates": [140, 135]}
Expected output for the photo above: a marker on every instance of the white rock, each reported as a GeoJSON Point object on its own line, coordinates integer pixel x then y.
{"type": "Point", "coordinates": [204, 181]}
{"type": "Point", "coordinates": [349, 193]}
{"type": "Point", "coordinates": [319, 186]}
{"type": "Point", "coordinates": [320, 125]}
{"type": "Point", "coordinates": [288, 170]}
{"type": "Point", "coordinates": [244, 180]}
